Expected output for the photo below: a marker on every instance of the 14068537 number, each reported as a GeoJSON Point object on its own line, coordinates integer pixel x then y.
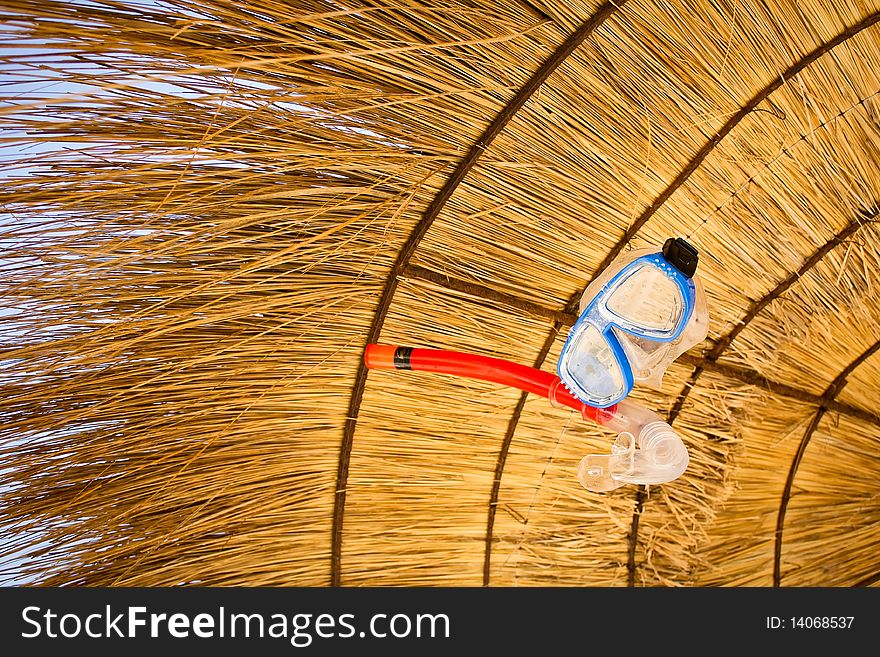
{"type": "Point", "coordinates": [821, 622]}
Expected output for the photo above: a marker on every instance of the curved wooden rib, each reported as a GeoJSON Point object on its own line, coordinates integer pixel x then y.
{"type": "Point", "coordinates": [830, 394]}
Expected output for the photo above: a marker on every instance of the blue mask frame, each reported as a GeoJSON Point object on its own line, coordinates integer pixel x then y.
{"type": "Point", "coordinates": [599, 316]}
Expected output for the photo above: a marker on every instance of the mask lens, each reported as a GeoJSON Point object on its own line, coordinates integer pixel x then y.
{"type": "Point", "coordinates": [648, 302]}
{"type": "Point", "coordinates": [590, 364]}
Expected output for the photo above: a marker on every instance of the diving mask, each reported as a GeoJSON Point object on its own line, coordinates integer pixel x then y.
{"type": "Point", "coordinates": [643, 312]}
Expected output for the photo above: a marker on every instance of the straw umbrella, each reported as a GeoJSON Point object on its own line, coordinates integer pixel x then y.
{"type": "Point", "coordinates": [209, 208]}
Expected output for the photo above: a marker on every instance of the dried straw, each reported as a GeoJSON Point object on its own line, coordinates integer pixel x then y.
{"type": "Point", "coordinates": [188, 282]}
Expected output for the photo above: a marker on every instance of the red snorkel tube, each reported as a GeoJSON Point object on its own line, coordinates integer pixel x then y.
{"type": "Point", "coordinates": [647, 450]}
{"type": "Point", "coordinates": [484, 368]}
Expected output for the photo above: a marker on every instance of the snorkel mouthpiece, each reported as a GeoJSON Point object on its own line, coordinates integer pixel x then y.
{"type": "Point", "coordinates": [647, 451]}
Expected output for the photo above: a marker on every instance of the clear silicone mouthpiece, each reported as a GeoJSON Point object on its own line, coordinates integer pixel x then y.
{"type": "Point", "coordinates": [647, 451]}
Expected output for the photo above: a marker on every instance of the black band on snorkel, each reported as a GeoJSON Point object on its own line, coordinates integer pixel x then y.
{"type": "Point", "coordinates": [681, 255]}
{"type": "Point", "coordinates": [402, 356]}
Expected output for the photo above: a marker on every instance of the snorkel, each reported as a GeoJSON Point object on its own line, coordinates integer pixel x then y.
{"type": "Point", "coordinates": [647, 450]}
{"type": "Point", "coordinates": [643, 312]}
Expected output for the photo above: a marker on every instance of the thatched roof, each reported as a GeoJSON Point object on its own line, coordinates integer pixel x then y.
{"type": "Point", "coordinates": [211, 206]}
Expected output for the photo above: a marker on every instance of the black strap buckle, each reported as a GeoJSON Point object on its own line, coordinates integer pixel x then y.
{"type": "Point", "coordinates": [681, 255]}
